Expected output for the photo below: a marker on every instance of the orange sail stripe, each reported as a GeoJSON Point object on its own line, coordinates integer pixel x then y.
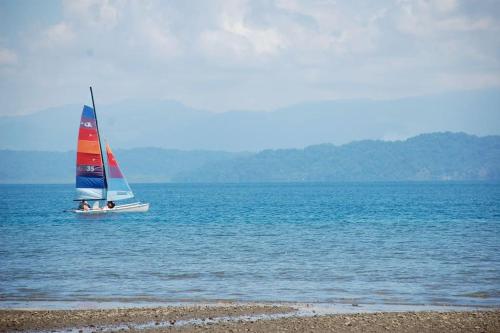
{"type": "Point", "coordinates": [91, 147]}
{"type": "Point", "coordinates": [111, 157]}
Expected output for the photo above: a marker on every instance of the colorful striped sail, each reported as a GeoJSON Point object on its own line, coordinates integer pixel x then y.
{"type": "Point", "coordinates": [90, 175]}
{"type": "Point", "coordinates": [118, 188]}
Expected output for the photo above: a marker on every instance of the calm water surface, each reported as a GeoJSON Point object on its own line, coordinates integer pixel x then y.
{"type": "Point", "coordinates": [385, 243]}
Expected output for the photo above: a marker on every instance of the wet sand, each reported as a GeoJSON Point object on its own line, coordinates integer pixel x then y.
{"type": "Point", "coordinates": [243, 318]}
{"type": "Point", "coordinates": [411, 322]}
{"type": "Point", "coordinates": [92, 320]}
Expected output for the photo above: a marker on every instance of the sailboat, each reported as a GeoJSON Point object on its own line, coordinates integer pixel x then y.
{"type": "Point", "coordinates": [99, 179]}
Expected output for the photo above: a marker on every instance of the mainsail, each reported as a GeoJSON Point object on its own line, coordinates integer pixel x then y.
{"type": "Point", "coordinates": [90, 175]}
{"type": "Point", "coordinates": [118, 188]}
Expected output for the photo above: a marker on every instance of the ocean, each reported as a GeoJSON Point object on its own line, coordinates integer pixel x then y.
{"type": "Point", "coordinates": [353, 243]}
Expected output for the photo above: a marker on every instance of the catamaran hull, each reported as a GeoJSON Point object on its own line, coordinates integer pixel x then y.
{"type": "Point", "coordinates": [136, 207]}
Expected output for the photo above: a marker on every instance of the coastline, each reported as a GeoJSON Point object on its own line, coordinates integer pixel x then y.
{"type": "Point", "coordinates": [254, 317]}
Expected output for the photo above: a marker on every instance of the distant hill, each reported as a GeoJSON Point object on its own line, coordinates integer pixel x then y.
{"type": "Point", "coordinates": [437, 156]}
{"type": "Point", "coordinates": [139, 165]}
{"type": "Point", "coordinates": [171, 125]}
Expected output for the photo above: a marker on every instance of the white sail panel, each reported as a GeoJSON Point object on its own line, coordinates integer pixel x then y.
{"type": "Point", "coordinates": [90, 193]}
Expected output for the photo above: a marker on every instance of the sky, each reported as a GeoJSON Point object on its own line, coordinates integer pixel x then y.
{"type": "Point", "coordinates": [222, 55]}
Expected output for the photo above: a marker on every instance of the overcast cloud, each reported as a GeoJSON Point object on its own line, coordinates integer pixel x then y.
{"type": "Point", "coordinates": [225, 55]}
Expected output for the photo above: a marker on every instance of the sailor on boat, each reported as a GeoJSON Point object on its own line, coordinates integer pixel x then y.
{"type": "Point", "coordinates": [111, 204]}
{"type": "Point", "coordinates": [84, 205]}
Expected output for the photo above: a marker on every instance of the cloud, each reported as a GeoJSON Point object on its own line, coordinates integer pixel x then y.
{"type": "Point", "coordinates": [59, 34]}
{"type": "Point", "coordinates": [7, 57]}
{"type": "Point", "coordinates": [236, 39]}
{"type": "Point", "coordinates": [467, 24]}
{"type": "Point", "coordinates": [103, 14]}
{"type": "Point", "coordinates": [445, 5]}
{"type": "Point", "coordinates": [423, 18]}
{"type": "Point", "coordinates": [159, 40]}
{"type": "Point", "coordinates": [237, 54]}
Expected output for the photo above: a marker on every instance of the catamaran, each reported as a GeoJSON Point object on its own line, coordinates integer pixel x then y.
{"type": "Point", "coordinates": [99, 179]}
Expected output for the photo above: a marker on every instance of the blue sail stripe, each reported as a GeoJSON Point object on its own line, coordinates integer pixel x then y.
{"type": "Point", "coordinates": [88, 112]}
{"type": "Point", "coordinates": [89, 182]}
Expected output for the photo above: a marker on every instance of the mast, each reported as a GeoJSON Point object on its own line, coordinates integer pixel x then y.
{"type": "Point", "coordinates": [100, 147]}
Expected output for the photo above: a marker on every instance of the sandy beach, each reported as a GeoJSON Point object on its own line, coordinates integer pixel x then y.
{"type": "Point", "coordinates": [243, 318]}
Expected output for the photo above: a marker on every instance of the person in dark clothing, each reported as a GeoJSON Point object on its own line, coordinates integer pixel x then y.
{"type": "Point", "coordinates": [84, 205]}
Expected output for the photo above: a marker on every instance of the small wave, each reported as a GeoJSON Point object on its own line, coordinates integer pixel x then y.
{"type": "Point", "coordinates": [218, 274]}
{"type": "Point", "coordinates": [478, 294]}
{"type": "Point", "coordinates": [181, 276]}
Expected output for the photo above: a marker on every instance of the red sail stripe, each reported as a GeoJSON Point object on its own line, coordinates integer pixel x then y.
{"type": "Point", "coordinates": [88, 159]}
{"type": "Point", "coordinates": [112, 160]}
{"type": "Point", "coordinates": [89, 134]}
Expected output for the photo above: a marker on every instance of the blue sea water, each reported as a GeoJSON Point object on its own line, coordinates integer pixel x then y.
{"type": "Point", "coordinates": [383, 243]}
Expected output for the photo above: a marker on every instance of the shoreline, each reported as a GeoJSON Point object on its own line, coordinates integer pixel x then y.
{"type": "Point", "coordinates": [327, 307]}
{"type": "Point", "coordinates": [257, 317]}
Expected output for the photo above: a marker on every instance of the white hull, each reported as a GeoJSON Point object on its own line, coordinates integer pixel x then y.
{"type": "Point", "coordinates": [135, 207]}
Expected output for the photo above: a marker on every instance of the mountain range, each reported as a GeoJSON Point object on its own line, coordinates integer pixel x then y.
{"type": "Point", "coordinates": [172, 125]}
{"type": "Point", "coordinates": [426, 157]}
